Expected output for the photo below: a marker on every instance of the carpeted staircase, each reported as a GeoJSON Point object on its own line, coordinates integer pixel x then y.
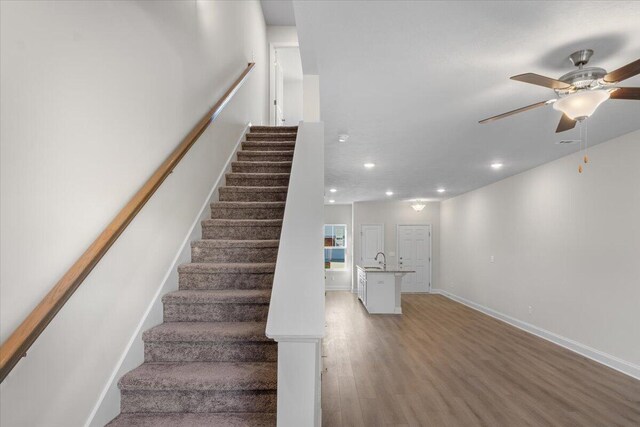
{"type": "Point", "coordinates": [210, 363]}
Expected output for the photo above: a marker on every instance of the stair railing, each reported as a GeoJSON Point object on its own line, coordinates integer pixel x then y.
{"type": "Point", "coordinates": [296, 311]}
{"type": "Point", "coordinates": [16, 346]}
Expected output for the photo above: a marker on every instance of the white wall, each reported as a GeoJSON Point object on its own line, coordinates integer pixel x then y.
{"type": "Point", "coordinates": [340, 214]}
{"type": "Point", "coordinates": [292, 102]}
{"type": "Point", "coordinates": [565, 244]}
{"type": "Point", "coordinates": [282, 34]}
{"type": "Point", "coordinates": [311, 98]}
{"type": "Point", "coordinates": [94, 96]}
{"type": "Point", "coordinates": [391, 214]}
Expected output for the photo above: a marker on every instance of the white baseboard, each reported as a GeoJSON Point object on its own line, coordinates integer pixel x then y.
{"type": "Point", "coordinates": [337, 288]}
{"type": "Point", "coordinates": [133, 353]}
{"type": "Point", "coordinates": [612, 362]}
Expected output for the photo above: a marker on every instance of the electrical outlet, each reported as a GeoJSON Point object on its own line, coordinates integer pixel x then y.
{"type": "Point", "coordinates": [491, 259]}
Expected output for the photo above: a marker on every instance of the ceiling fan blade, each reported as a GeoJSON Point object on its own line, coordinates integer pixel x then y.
{"type": "Point", "coordinates": [623, 73]}
{"type": "Point", "coordinates": [537, 79]}
{"type": "Point", "coordinates": [512, 112]}
{"type": "Point", "coordinates": [566, 123]}
{"type": "Point", "coordinates": [632, 93]}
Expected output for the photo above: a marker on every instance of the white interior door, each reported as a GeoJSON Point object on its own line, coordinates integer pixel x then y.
{"type": "Point", "coordinates": [279, 95]}
{"type": "Point", "coordinates": [414, 253]}
{"type": "Point", "coordinates": [371, 242]}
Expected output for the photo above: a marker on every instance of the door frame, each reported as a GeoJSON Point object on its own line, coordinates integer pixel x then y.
{"type": "Point", "coordinates": [362, 235]}
{"type": "Point", "coordinates": [430, 251]}
{"type": "Point", "coordinates": [272, 75]}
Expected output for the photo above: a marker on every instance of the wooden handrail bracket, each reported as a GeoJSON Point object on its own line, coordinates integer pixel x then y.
{"type": "Point", "coordinates": [16, 346]}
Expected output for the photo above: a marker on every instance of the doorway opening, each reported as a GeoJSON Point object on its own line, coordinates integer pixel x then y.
{"type": "Point", "coordinates": [286, 85]}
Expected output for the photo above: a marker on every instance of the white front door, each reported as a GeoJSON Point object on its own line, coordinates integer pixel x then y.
{"type": "Point", "coordinates": [414, 253]}
{"type": "Point", "coordinates": [371, 242]}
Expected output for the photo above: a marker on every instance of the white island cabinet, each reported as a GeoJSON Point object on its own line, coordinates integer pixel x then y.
{"type": "Point", "coordinates": [379, 289]}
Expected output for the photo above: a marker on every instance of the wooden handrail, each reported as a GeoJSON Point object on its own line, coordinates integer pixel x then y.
{"type": "Point", "coordinates": [16, 346]}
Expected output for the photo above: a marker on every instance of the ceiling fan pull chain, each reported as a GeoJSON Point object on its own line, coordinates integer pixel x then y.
{"type": "Point", "coordinates": [586, 141]}
{"type": "Point", "coordinates": [580, 147]}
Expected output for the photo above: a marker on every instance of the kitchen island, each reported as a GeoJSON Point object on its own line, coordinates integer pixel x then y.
{"type": "Point", "coordinates": [379, 289]}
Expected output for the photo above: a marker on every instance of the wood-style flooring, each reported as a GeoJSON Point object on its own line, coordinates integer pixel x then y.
{"type": "Point", "coordinates": [444, 364]}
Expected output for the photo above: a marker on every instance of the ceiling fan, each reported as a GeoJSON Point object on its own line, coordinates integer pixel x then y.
{"type": "Point", "coordinates": [581, 91]}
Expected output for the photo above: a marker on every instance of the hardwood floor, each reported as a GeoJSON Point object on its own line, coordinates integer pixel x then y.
{"type": "Point", "coordinates": [444, 364]}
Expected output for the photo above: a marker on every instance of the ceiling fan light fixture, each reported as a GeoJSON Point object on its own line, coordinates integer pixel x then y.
{"type": "Point", "coordinates": [581, 104]}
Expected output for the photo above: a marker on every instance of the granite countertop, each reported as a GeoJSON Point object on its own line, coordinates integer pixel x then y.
{"type": "Point", "coordinates": [389, 269]}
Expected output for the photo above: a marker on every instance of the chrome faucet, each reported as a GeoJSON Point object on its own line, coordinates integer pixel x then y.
{"type": "Point", "coordinates": [384, 258]}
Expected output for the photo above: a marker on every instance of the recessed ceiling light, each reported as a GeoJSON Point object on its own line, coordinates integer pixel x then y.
{"type": "Point", "coordinates": [369, 165]}
{"type": "Point", "coordinates": [333, 190]}
{"type": "Point", "coordinates": [497, 165]}
{"type": "Point", "coordinates": [389, 193]}
{"type": "Point", "coordinates": [441, 190]}
{"type": "Point", "coordinates": [343, 137]}
{"type": "Point", "coordinates": [332, 201]}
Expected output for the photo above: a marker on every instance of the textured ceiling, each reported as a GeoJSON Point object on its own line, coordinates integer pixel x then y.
{"type": "Point", "coordinates": [408, 81]}
{"type": "Point", "coordinates": [278, 12]}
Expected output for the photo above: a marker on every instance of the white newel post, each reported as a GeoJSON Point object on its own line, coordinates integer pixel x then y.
{"type": "Point", "coordinates": [296, 312]}
{"type": "Point", "coordinates": [299, 383]}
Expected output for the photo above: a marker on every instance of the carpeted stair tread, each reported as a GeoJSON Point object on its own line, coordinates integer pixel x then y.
{"type": "Point", "coordinates": [266, 153]}
{"type": "Point", "coordinates": [219, 222]}
{"type": "Point", "coordinates": [247, 209]}
{"type": "Point", "coordinates": [201, 376]}
{"type": "Point", "coordinates": [257, 179]}
{"type": "Point", "coordinates": [212, 243]}
{"type": "Point", "coordinates": [238, 267]}
{"type": "Point", "coordinates": [248, 205]}
{"type": "Point", "coordinates": [207, 332]}
{"type": "Point", "coordinates": [194, 420]}
{"type": "Point", "coordinates": [221, 296]}
{"type": "Point", "coordinates": [247, 189]}
{"type": "Point", "coordinates": [286, 145]}
{"type": "Point", "coordinates": [262, 155]}
{"type": "Point", "coordinates": [289, 137]}
{"type": "Point", "coordinates": [258, 175]}
{"type": "Point", "coordinates": [273, 129]}
{"type": "Point", "coordinates": [262, 162]}
{"type": "Point", "coordinates": [261, 166]}
{"type": "Point", "coordinates": [268, 134]}
{"type": "Point", "coordinates": [268, 145]}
